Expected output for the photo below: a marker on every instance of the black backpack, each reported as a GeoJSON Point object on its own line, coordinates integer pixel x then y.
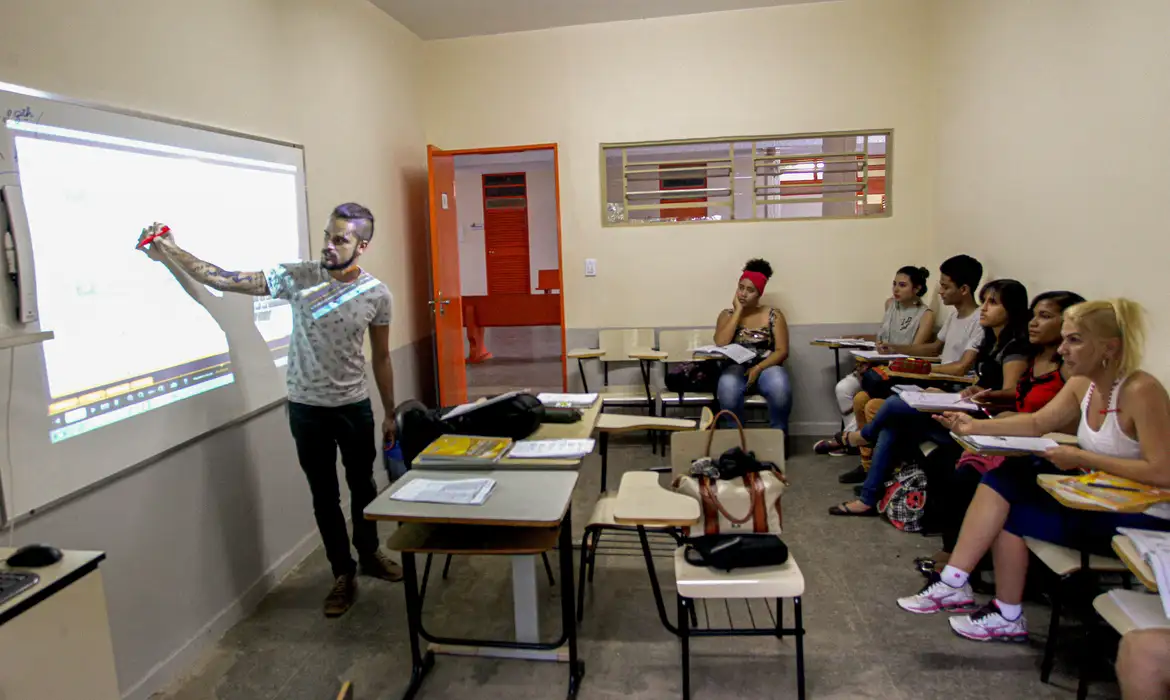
{"type": "Point", "coordinates": [418, 426]}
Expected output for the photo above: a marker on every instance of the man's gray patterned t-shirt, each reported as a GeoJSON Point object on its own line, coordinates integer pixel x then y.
{"type": "Point", "coordinates": [326, 361]}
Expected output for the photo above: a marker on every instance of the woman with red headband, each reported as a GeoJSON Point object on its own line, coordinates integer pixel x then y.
{"type": "Point", "coordinates": [763, 330]}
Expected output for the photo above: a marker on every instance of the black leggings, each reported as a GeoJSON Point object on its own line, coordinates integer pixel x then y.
{"type": "Point", "coordinates": [957, 492]}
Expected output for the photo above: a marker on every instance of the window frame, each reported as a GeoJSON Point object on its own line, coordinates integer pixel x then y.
{"type": "Point", "coordinates": [886, 175]}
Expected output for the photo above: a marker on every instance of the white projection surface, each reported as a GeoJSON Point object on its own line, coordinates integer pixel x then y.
{"type": "Point", "coordinates": [144, 359]}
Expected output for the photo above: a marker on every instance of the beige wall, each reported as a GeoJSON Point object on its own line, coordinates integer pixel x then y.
{"type": "Point", "coordinates": [771, 71]}
{"type": "Point", "coordinates": [337, 76]}
{"type": "Point", "coordinates": [542, 220]}
{"type": "Point", "coordinates": [1051, 152]}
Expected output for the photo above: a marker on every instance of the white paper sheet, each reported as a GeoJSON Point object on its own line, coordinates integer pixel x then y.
{"type": "Point", "coordinates": [459, 492]}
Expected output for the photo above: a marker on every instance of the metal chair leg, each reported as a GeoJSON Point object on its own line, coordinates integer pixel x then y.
{"type": "Point", "coordinates": [603, 448]}
{"type": "Point", "coordinates": [684, 638]}
{"type": "Point", "coordinates": [581, 576]}
{"type": "Point", "coordinates": [798, 614]}
{"type": "Point", "coordinates": [426, 575]}
{"type": "Point", "coordinates": [548, 569]}
{"type": "Point", "coordinates": [780, 618]}
{"type": "Point", "coordinates": [446, 567]}
{"type": "Point", "coordinates": [1053, 631]}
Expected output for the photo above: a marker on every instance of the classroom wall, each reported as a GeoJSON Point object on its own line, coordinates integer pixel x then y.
{"type": "Point", "coordinates": [198, 537]}
{"type": "Point", "coordinates": [1050, 163]}
{"type": "Point", "coordinates": [855, 64]}
{"type": "Point", "coordinates": [542, 219]}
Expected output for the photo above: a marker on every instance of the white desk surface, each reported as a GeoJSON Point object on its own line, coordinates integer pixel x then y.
{"type": "Point", "coordinates": [72, 566]}
{"type": "Point", "coordinates": [519, 499]}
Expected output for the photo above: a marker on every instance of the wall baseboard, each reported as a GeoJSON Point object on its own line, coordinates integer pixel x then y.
{"type": "Point", "coordinates": [180, 663]}
{"type": "Point", "coordinates": [813, 428]}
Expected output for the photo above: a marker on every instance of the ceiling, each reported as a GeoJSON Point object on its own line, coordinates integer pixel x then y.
{"type": "Point", "coordinates": [448, 19]}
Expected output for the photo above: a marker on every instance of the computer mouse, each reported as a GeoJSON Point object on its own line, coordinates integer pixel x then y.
{"type": "Point", "coordinates": [34, 556]}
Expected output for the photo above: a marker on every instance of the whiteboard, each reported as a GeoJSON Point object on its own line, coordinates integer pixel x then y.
{"type": "Point", "coordinates": [144, 359]}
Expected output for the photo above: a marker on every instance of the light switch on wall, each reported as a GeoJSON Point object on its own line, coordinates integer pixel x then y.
{"type": "Point", "coordinates": [590, 267]}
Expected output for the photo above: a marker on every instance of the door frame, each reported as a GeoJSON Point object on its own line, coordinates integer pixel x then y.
{"type": "Point", "coordinates": [495, 150]}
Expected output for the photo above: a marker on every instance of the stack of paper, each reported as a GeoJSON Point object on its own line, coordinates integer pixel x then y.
{"type": "Point", "coordinates": [875, 356]}
{"type": "Point", "coordinates": [997, 443]}
{"type": "Point", "coordinates": [459, 492]}
{"type": "Point", "coordinates": [1154, 547]}
{"type": "Point", "coordinates": [551, 449]}
{"type": "Point", "coordinates": [736, 352]}
{"type": "Point", "coordinates": [847, 342]}
{"type": "Point", "coordinates": [929, 401]}
{"type": "Point", "coordinates": [568, 400]}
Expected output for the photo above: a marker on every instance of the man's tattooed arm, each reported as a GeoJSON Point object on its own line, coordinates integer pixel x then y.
{"type": "Point", "coordinates": [213, 276]}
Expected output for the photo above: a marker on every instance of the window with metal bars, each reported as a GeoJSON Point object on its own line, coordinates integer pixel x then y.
{"type": "Point", "coordinates": [809, 176]}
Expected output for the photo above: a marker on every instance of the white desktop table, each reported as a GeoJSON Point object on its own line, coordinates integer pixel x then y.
{"type": "Point", "coordinates": [55, 636]}
{"type": "Point", "coordinates": [520, 499]}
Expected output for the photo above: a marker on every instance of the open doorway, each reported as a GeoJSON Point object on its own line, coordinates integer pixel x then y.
{"type": "Point", "coordinates": [507, 222]}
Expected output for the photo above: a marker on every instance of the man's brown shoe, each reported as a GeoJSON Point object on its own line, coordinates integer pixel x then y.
{"type": "Point", "coordinates": [341, 597]}
{"type": "Point", "coordinates": [381, 566]}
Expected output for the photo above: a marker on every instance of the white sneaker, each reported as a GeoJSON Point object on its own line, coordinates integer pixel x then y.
{"type": "Point", "coordinates": [937, 595]}
{"type": "Point", "coordinates": [989, 625]}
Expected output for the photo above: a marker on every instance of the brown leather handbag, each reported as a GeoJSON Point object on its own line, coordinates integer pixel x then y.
{"type": "Point", "coordinates": [750, 503]}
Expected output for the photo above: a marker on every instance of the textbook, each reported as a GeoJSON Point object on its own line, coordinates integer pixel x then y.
{"type": "Point", "coordinates": [1154, 548]}
{"type": "Point", "coordinates": [463, 450]}
{"type": "Point", "coordinates": [735, 352]}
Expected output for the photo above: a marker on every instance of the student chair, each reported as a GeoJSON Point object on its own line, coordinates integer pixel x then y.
{"type": "Point", "coordinates": [616, 345]}
{"type": "Point", "coordinates": [754, 588]}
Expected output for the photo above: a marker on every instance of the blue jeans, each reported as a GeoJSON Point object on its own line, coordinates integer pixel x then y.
{"type": "Point", "coordinates": [896, 429]}
{"type": "Point", "coordinates": [773, 385]}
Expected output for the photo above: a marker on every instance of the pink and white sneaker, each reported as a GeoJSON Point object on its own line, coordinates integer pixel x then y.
{"type": "Point", "coordinates": [937, 595]}
{"type": "Point", "coordinates": [989, 625]}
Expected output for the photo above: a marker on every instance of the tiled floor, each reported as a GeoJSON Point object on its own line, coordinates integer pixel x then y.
{"type": "Point", "coordinates": [527, 357]}
{"type": "Point", "coordinates": [859, 644]}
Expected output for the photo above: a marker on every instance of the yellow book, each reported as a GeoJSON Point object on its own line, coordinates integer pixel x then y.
{"type": "Point", "coordinates": [464, 449]}
{"type": "Point", "coordinates": [1114, 492]}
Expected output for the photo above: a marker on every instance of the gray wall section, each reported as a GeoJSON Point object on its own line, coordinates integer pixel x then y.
{"type": "Point", "coordinates": [197, 538]}
{"type": "Point", "coordinates": [811, 368]}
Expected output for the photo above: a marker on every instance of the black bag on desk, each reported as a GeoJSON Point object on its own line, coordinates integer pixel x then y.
{"type": "Point", "coordinates": [729, 552]}
{"type": "Point", "coordinates": [516, 417]}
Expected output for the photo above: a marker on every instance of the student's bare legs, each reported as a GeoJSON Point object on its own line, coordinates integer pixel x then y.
{"type": "Point", "coordinates": [1143, 665]}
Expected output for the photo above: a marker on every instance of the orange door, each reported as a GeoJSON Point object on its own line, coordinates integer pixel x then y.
{"type": "Point", "coordinates": [447, 302]}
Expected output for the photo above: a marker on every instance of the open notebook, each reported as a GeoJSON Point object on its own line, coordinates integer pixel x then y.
{"type": "Point", "coordinates": [1154, 547]}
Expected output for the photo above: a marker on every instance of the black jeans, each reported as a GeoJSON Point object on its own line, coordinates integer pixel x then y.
{"type": "Point", "coordinates": [318, 433]}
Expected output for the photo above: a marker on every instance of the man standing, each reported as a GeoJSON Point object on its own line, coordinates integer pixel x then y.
{"type": "Point", "coordinates": [334, 301]}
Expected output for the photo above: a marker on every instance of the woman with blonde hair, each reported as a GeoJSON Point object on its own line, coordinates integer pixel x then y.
{"type": "Point", "coordinates": [1124, 429]}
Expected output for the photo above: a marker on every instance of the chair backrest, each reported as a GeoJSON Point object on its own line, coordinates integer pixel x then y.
{"type": "Point", "coordinates": [679, 344]}
{"type": "Point", "coordinates": [618, 343]}
{"type": "Point", "coordinates": [346, 692]}
{"type": "Point", "coordinates": [687, 446]}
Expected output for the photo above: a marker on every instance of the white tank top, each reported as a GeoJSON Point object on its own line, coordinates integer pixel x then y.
{"type": "Point", "coordinates": [1110, 440]}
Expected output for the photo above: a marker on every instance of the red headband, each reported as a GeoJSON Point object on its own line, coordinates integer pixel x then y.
{"type": "Point", "coordinates": [756, 278]}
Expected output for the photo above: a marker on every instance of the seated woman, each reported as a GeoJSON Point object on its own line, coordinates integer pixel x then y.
{"type": "Point", "coordinates": [1040, 383]}
{"type": "Point", "coordinates": [1124, 429]}
{"type": "Point", "coordinates": [907, 321]}
{"type": "Point", "coordinates": [763, 330]}
{"type": "Point", "coordinates": [897, 427]}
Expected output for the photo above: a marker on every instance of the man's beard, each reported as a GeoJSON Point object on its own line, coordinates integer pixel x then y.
{"type": "Point", "coordinates": [334, 267]}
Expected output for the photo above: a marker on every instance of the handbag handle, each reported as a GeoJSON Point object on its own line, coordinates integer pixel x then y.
{"type": "Point", "coordinates": [714, 425]}
{"type": "Point", "coordinates": [756, 488]}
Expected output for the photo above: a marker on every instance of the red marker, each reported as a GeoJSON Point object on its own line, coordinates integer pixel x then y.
{"type": "Point", "coordinates": [150, 239]}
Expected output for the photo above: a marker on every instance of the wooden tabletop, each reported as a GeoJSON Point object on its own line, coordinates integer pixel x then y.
{"type": "Point", "coordinates": [73, 565]}
{"type": "Point", "coordinates": [585, 353]}
{"type": "Point", "coordinates": [647, 354]}
{"type": "Point", "coordinates": [936, 377]}
{"type": "Point", "coordinates": [519, 499]}
{"type": "Point", "coordinates": [1048, 482]}
{"type": "Point", "coordinates": [641, 500]}
{"type": "Point", "coordinates": [621, 423]}
{"type": "Point", "coordinates": [1134, 562]}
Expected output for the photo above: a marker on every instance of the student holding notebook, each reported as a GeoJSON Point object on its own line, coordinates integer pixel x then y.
{"type": "Point", "coordinates": [957, 344]}
{"type": "Point", "coordinates": [907, 321]}
{"type": "Point", "coordinates": [1040, 383]}
{"type": "Point", "coordinates": [1000, 360]}
{"type": "Point", "coordinates": [1124, 430]}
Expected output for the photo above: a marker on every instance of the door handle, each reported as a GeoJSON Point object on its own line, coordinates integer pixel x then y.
{"type": "Point", "coordinates": [444, 302]}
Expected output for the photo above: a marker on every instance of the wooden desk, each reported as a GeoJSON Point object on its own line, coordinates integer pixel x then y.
{"type": "Point", "coordinates": [936, 377]}
{"type": "Point", "coordinates": [641, 500]}
{"type": "Point", "coordinates": [1133, 561]}
{"type": "Point", "coordinates": [523, 502]}
{"type": "Point", "coordinates": [1048, 483]}
{"type": "Point", "coordinates": [55, 636]}
{"type": "Point", "coordinates": [580, 355]}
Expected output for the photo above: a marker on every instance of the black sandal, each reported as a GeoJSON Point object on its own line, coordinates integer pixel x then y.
{"type": "Point", "coordinates": [843, 509]}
